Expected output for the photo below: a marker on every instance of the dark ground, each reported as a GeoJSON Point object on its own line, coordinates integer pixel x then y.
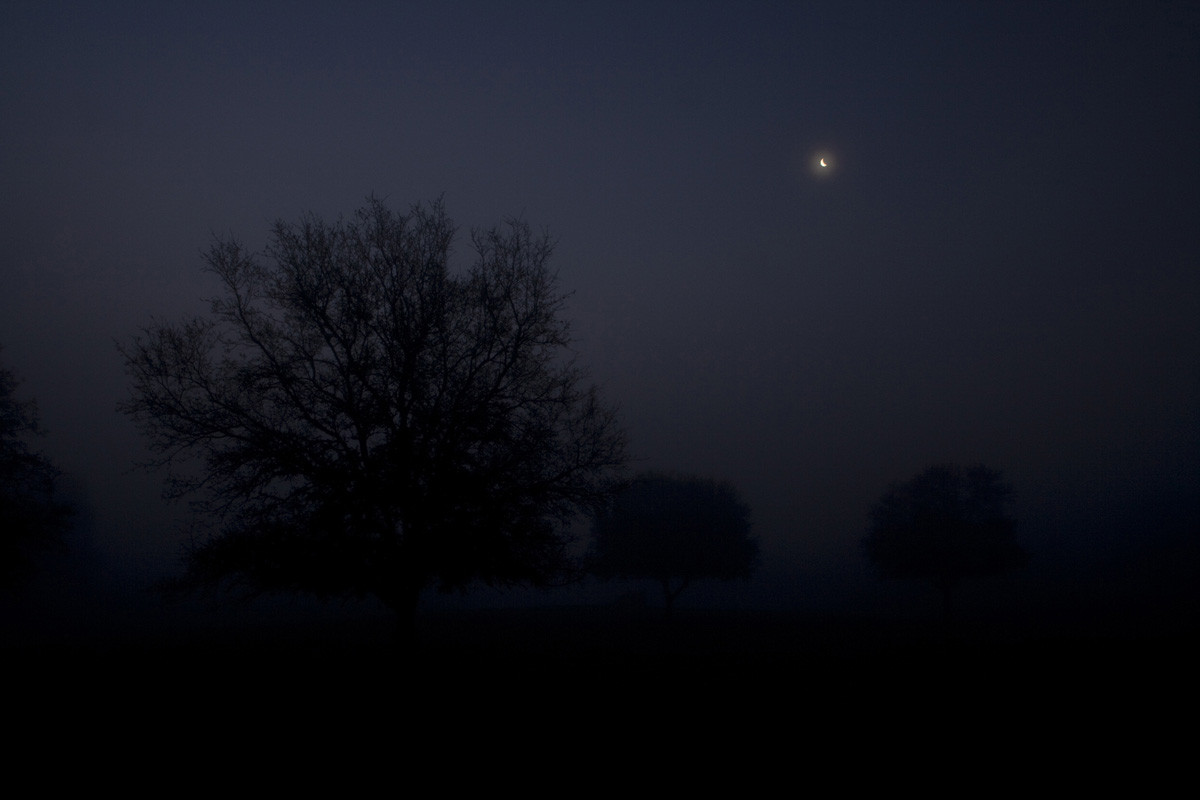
{"type": "Point", "coordinates": [605, 660]}
{"type": "Point", "coordinates": [601, 694]}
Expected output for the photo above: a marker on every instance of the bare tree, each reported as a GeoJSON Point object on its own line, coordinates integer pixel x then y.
{"type": "Point", "coordinates": [33, 518]}
{"type": "Point", "coordinates": [674, 530]}
{"type": "Point", "coordinates": [368, 422]}
{"type": "Point", "coordinates": [945, 525]}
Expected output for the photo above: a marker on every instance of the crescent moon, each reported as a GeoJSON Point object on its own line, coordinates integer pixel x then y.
{"type": "Point", "coordinates": [823, 164]}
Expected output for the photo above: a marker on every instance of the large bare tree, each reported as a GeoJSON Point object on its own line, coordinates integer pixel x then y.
{"type": "Point", "coordinates": [367, 421]}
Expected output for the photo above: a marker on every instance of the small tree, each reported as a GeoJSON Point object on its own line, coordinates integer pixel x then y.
{"type": "Point", "coordinates": [32, 519]}
{"type": "Point", "coordinates": [674, 530]}
{"type": "Point", "coordinates": [368, 422]}
{"type": "Point", "coordinates": [943, 526]}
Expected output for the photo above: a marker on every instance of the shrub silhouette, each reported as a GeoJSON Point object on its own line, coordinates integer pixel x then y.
{"type": "Point", "coordinates": [674, 530]}
{"type": "Point", "coordinates": [943, 526]}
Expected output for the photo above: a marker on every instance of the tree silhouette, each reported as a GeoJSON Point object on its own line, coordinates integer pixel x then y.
{"type": "Point", "coordinates": [368, 423]}
{"type": "Point", "coordinates": [945, 525]}
{"type": "Point", "coordinates": [673, 530]}
{"type": "Point", "coordinates": [33, 520]}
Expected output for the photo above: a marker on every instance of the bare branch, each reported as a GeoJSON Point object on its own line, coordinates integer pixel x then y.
{"type": "Point", "coordinates": [349, 397]}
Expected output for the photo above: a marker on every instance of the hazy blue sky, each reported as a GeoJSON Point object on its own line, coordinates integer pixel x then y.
{"type": "Point", "coordinates": [1000, 267]}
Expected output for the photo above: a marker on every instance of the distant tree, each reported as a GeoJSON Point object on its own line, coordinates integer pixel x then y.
{"type": "Point", "coordinates": [370, 423]}
{"type": "Point", "coordinates": [945, 525]}
{"type": "Point", "coordinates": [674, 530]}
{"type": "Point", "coordinates": [31, 518]}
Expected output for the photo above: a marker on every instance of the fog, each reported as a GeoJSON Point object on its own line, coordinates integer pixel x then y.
{"type": "Point", "coordinates": [1001, 268]}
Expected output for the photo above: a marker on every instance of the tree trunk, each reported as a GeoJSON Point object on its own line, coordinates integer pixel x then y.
{"type": "Point", "coordinates": [947, 589]}
{"type": "Point", "coordinates": [403, 599]}
{"type": "Point", "coordinates": [669, 595]}
{"type": "Point", "coordinates": [406, 618]}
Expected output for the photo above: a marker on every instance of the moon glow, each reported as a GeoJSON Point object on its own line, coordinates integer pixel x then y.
{"type": "Point", "coordinates": [821, 163]}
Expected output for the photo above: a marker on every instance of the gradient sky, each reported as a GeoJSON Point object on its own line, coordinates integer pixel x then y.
{"type": "Point", "coordinates": [1001, 266]}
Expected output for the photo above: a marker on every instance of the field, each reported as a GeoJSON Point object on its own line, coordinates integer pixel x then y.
{"type": "Point", "coordinates": [605, 659]}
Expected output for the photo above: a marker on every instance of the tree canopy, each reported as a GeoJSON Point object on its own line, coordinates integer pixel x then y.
{"type": "Point", "coordinates": [366, 421]}
{"type": "Point", "coordinates": [945, 525]}
{"type": "Point", "coordinates": [674, 530]}
{"type": "Point", "coordinates": [33, 519]}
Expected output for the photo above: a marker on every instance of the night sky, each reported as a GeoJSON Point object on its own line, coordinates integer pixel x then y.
{"type": "Point", "coordinates": [1001, 263]}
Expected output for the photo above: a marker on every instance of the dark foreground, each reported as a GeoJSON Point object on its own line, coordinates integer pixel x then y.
{"type": "Point", "coordinates": [608, 658]}
{"type": "Point", "coordinates": [806, 688]}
